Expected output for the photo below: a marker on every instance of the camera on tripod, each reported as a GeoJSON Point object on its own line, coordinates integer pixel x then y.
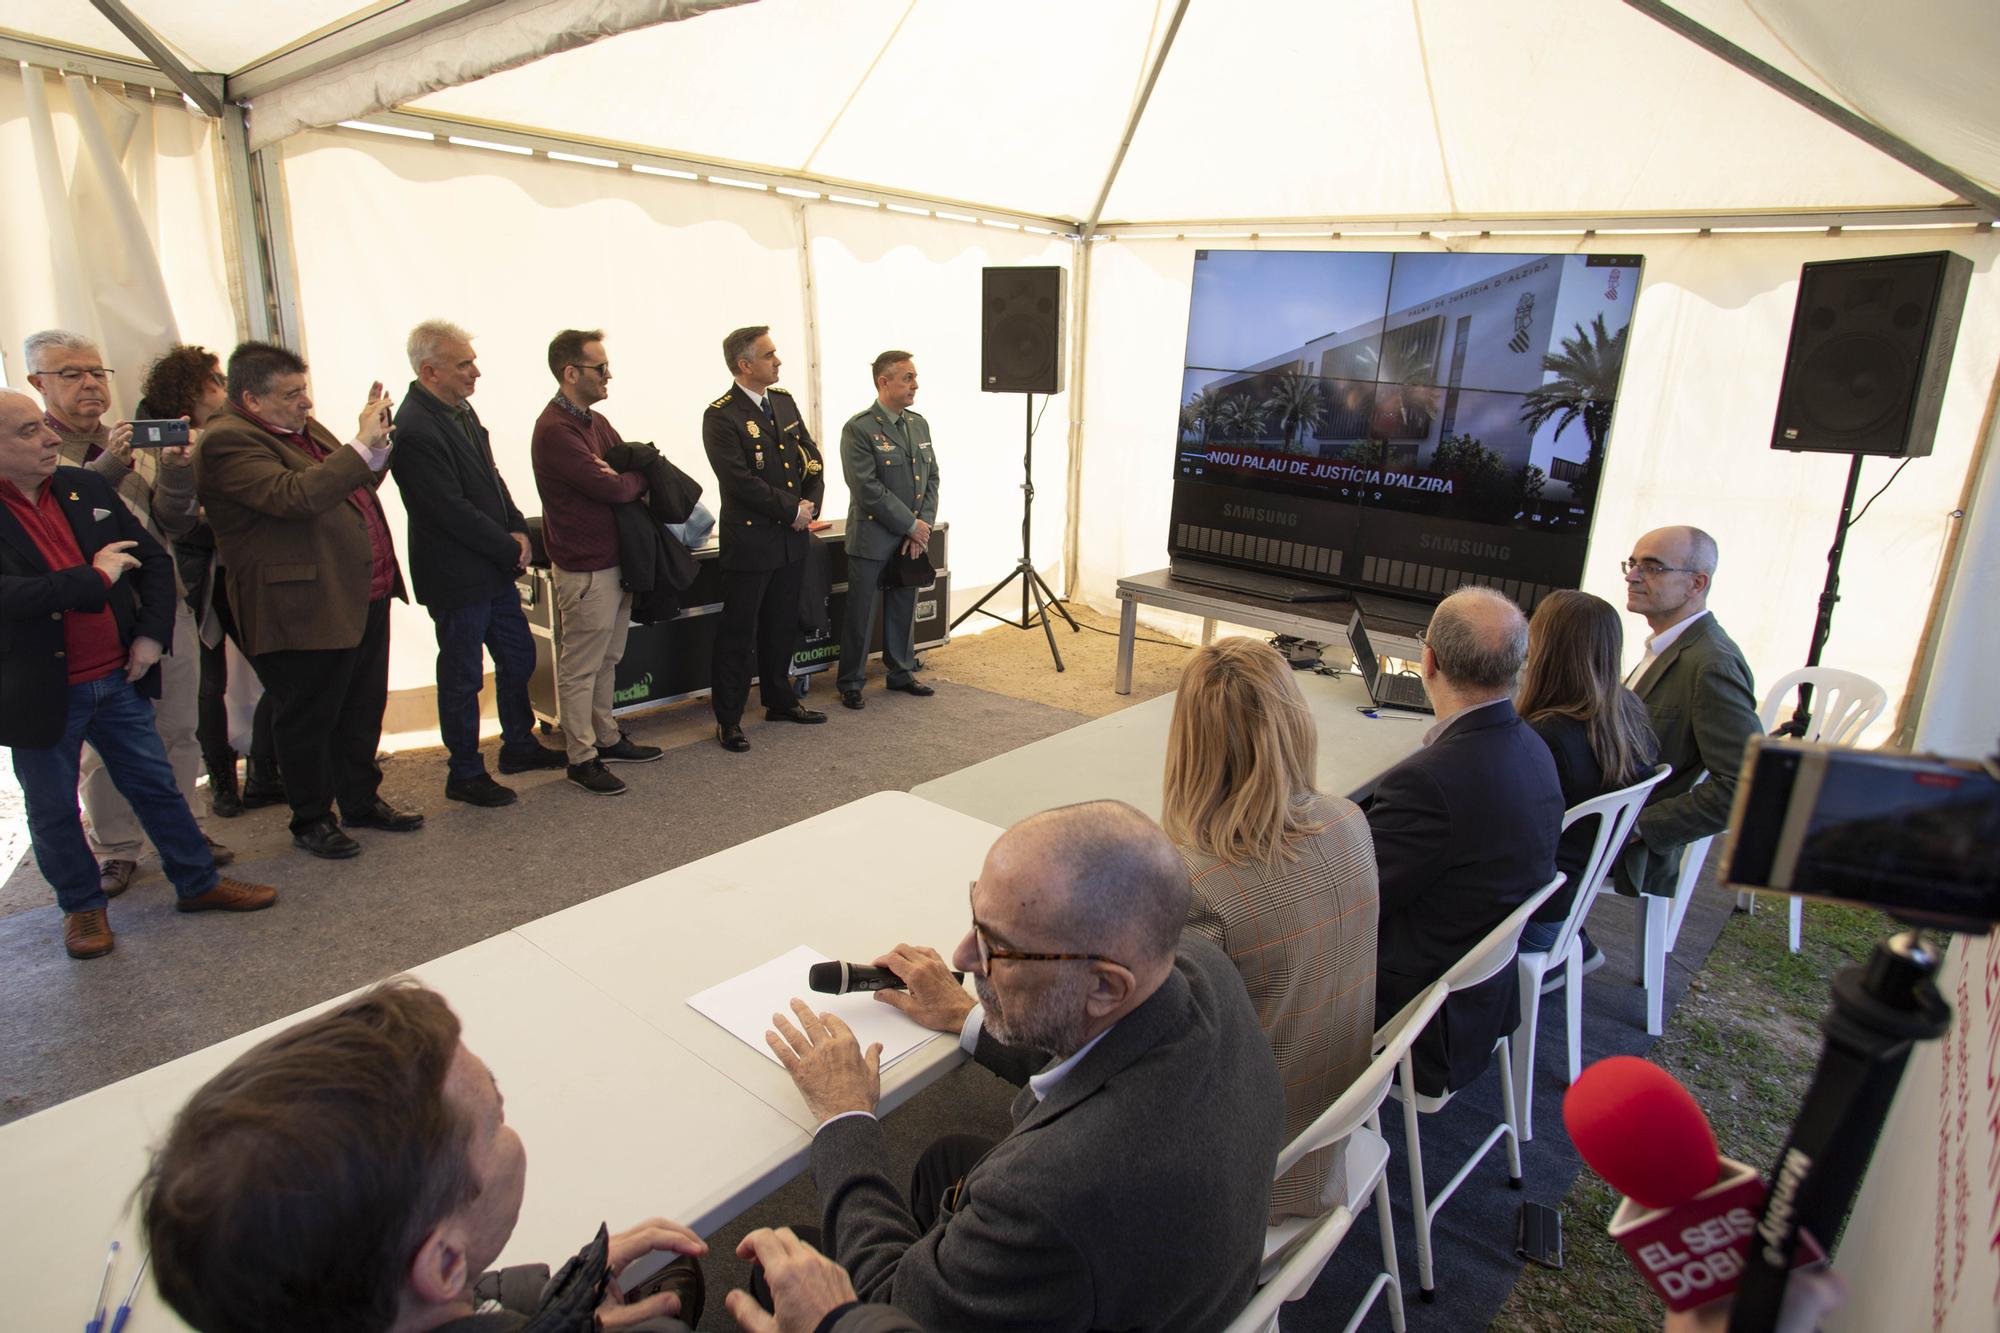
{"type": "Point", "coordinates": [1915, 835]}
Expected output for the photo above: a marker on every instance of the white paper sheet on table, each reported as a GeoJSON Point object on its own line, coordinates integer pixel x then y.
{"type": "Point", "coordinates": [743, 1006]}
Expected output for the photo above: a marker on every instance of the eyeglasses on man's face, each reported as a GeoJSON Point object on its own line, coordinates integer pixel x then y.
{"type": "Point", "coordinates": [602, 367]}
{"type": "Point", "coordinates": [989, 951]}
{"type": "Point", "coordinates": [74, 373]}
{"type": "Point", "coordinates": [1649, 568]}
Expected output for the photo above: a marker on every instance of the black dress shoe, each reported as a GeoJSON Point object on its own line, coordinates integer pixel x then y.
{"type": "Point", "coordinates": [323, 838]}
{"type": "Point", "coordinates": [531, 759]}
{"type": "Point", "coordinates": [628, 751]}
{"type": "Point", "coordinates": [916, 687]}
{"type": "Point", "coordinates": [732, 738]}
{"type": "Point", "coordinates": [381, 815]}
{"type": "Point", "coordinates": [796, 713]}
{"type": "Point", "coordinates": [481, 791]}
{"type": "Point", "coordinates": [852, 699]}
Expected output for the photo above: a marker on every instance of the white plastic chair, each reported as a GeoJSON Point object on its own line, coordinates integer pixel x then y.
{"type": "Point", "coordinates": [1660, 928]}
{"type": "Point", "coordinates": [1844, 703]}
{"type": "Point", "coordinates": [1615, 813]}
{"type": "Point", "coordinates": [1297, 1249]}
{"type": "Point", "coordinates": [1484, 960]}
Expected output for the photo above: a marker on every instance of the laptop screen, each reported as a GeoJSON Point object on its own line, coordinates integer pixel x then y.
{"type": "Point", "coordinates": [1364, 656]}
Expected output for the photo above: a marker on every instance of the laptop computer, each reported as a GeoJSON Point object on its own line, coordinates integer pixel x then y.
{"type": "Point", "coordinates": [1385, 691]}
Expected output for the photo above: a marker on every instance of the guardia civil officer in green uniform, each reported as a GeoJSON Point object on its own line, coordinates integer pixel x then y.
{"type": "Point", "coordinates": [772, 483]}
{"type": "Point", "coordinates": [892, 495]}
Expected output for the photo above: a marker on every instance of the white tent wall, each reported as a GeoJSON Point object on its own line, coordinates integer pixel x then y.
{"type": "Point", "coordinates": [73, 260]}
{"type": "Point", "coordinates": [515, 248]}
{"type": "Point", "coordinates": [1689, 442]}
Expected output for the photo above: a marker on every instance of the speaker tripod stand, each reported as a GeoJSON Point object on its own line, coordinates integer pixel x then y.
{"type": "Point", "coordinates": [1032, 585]}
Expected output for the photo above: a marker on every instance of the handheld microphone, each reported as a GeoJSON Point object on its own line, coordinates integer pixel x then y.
{"type": "Point", "coordinates": [1689, 1213]}
{"type": "Point", "coordinates": [842, 978]}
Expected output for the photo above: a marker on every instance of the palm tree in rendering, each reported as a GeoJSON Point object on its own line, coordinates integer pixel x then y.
{"type": "Point", "coordinates": [1238, 420]}
{"type": "Point", "coordinates": [1198, 415]}
{"type": "Point", "coordinates": [1296, 405]}
{"type": "Point", "coordinates": [1585, 384]}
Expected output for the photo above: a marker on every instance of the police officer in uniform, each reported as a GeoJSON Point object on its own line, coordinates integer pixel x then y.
{"type": "Point", "coordinates": [892, 489]}
{"type": "Point", "coordinates": [770, 473]}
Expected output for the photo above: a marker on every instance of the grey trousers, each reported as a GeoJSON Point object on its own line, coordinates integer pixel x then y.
{"type": "Point", "coordinates": [857, 622]}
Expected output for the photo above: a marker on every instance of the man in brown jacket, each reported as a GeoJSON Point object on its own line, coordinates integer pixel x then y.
{"type": "Point", "coordinates": [311, 569]}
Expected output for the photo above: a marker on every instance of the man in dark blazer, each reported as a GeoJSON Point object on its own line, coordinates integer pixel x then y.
{"type": "Point", "coordinates": [1700, 696]}
{"type": "Point", "coordinates": [772, 483]}
{"type": "Point", "coordinates": [311, 569]}
{"type": "Point", "coordinates": [892, 500]}
{"type": "Point", "coordinates": [1133, 1190]}
{"type": "Point", "coordinates": [467, 544]}
{"type": "Point", "coordinates": [1465, 831]}
{"type": "Point", "coordinates": [86, 606]}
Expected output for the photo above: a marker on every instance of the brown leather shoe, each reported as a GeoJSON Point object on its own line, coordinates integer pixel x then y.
{"type": "Point", "coordinates": [87, 934]}
{"type": "Point", "coordinates": [230, 895]}
{"type": "Point", "coordinates": [217, 853]}
{"type": "Point", "coordinates": [115, 876]}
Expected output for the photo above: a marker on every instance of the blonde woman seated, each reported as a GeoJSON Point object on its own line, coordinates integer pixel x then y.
{"type": "Point", "coordinates": [1284, 881]}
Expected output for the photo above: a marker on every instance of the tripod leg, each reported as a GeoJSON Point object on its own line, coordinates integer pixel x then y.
{"type": "Point", "coordinates": [1033, 583]}
{"type": "Point", "coordinates": [1054, 602]}
{"type": "Point", "coordinates": [991, 592]}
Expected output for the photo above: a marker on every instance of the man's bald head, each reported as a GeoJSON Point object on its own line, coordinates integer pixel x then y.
{"type": "Point", "coordinates": [1692, 549]}
{"type": "Point", "coordinates": [1478, 639]}
{"type": "Point", "coordinates": [27, 445]}
{"type": "Point", "coordinates": [1099, 877]}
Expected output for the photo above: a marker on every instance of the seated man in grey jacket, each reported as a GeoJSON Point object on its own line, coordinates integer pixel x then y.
{"type": "Point", "coordinates": [1151, 1094]}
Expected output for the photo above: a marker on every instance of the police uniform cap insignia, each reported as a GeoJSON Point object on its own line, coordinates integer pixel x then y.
{"type": "Point", "coordinates": [751, 426]}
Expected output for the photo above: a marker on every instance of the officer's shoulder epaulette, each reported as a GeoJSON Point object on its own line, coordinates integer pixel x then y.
{"type": "Point", "coordinates": [775, 389]}
{"type": "Point", "coordinates": [912, 412]}
{"type": "Point", "coordinates": [721, 402]}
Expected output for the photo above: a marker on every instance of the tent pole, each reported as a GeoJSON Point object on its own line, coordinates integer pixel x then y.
{"type": "Point", "coordinates": [1824, 107]}
{"type": "Point", "coordinates": [811, 305]}
{"type": "Point", "coordinates": [263, 235]}
{"type": "Point", "coordinates": [205, 91]}
{"type": "Point", "coordinates": [1079, 299]}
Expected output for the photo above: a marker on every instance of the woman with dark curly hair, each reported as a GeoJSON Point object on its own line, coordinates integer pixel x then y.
{"type": "Point", "coordinates": [188, 382]}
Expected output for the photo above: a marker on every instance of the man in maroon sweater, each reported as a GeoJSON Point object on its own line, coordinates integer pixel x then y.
{"type": "Point", "coordinates": [580, 530]}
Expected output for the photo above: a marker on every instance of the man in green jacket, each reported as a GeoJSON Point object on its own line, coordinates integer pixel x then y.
{"type": "Point", "coordinates": [1699, 695]}
{"type": "Point", "coordinates": [892, 491]}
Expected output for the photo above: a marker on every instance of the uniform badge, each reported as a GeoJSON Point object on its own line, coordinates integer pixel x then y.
{"type": "Point", "coordinates": [74, 496]}
{"type": "Point", "coordinates": [812, 466]}
{"type": "Point", "coordinates": [751, 426]}
{"type": "Point", "coordinates": [760, 460]}
{"type": "Point", "coordinates": [880, 439]}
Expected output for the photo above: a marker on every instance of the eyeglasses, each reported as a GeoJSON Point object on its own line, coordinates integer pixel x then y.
{"type": "Point", "coordinates": [602, 367]}
{"type": "Point", "coordinates": [988, 951]}
{"type": "Point", "coordinates": [73, 374]}
{"type": "Point", "coordinates": [1649, 568]}
{"type": "Point", "coordinates": [218, 379]}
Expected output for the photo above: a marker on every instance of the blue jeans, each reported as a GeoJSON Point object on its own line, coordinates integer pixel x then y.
{"type": "Point", "coordinates": [110, 714]}
{"type": "Point", "coordinates": [464, 633]}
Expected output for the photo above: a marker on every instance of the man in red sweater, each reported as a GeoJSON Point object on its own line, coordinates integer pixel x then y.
{"type": "Point", "coordinates": [87, 599]}
{"type": "Point", "coordinates": [580, 530]}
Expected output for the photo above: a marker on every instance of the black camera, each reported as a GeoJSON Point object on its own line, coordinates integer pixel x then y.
{"type": "Point", "coordinates": [1915, 835]}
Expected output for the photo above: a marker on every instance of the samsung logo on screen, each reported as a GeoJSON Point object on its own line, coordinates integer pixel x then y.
{"type": "Point", "coordinates": [1256, 515]}
{"type": "Point", "coordinates": [1465, 546]}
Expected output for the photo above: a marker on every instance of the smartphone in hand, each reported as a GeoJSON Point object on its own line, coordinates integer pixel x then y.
{"type": "Point", "coordinates": [159, 434]}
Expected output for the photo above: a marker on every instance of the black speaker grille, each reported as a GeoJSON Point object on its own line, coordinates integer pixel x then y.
{"type": "Point", "coordinates": [1021, 330]}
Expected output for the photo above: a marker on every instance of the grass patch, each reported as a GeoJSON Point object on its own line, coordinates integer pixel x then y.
{"type": "Point", "coordinates": [1744, 1040]}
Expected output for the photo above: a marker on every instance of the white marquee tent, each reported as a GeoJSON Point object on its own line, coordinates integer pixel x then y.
{"type": "Point", "coordinates": [667, 169]}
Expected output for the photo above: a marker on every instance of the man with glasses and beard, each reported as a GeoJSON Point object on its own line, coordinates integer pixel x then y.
{"type": "Point", "coordinates": [580, 529]}
{"type": "Point", "coordinates": [1699, 696]}
{"type": "Point", "coordinates": [1150, 1093]}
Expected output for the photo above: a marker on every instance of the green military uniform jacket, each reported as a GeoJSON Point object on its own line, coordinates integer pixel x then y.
{"type": "Point", "coordinates": [1702, 703]}
{"type": "Point", "coordinates": [764, 470]}
{"type": "Point", "coordinates": [890, 484]}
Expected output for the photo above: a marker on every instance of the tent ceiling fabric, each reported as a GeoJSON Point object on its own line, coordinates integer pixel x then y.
{"type": "Point", "coordinates": [1266, 109]}
{"type": "Point", "coordinates": [506, 35]}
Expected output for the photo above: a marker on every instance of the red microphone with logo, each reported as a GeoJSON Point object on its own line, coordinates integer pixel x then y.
{"type": "Point", "coordinates": [1689, 1212]}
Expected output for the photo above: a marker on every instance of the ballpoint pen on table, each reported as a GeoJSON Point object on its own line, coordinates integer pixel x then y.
{"type": "Point", "coordinates": [96, 1323]}
{"type": "Point", "coordinates": [125, 1310]}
